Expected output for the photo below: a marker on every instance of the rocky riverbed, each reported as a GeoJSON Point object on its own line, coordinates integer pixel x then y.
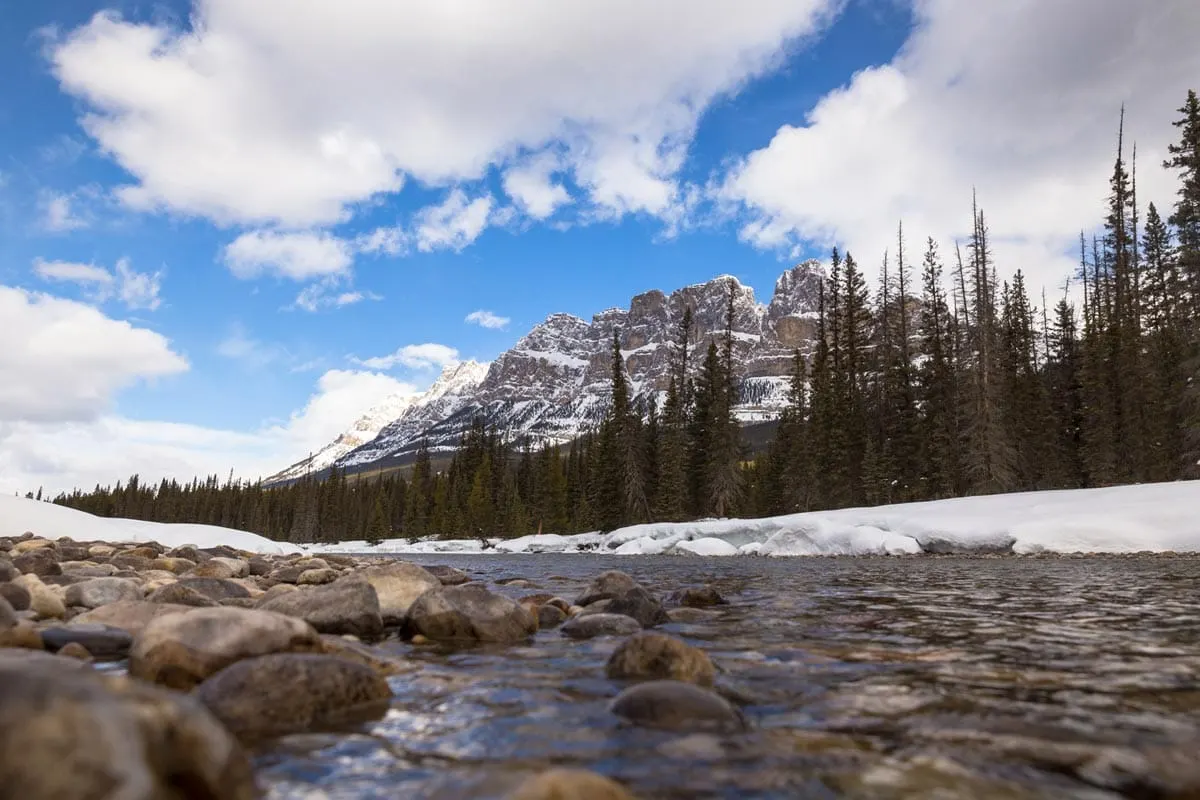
{"type": "Point", "coordinates": [144, 672]}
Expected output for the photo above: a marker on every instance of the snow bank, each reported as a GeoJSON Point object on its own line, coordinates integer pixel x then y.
{"type": "Point", "coordinates": [18, 514]}
{"type": "Point", "coordinates": [1158, 517]}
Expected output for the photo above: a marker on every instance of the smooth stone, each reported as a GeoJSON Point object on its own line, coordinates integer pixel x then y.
{"type": "Point", "coordinates": [239, 602]}
{"type": "Point", "coordinates": [90, 570]}
{"type": "Point", "coordinates": [536, 599]}
{"type": "Point", "coordinates": [286, 575]}
{"type": "Point", "coordinates": [132, 617]}
{"type": "Point", "coordinates": [8, 614]}
{"type": "Point", "coordinates": [42, 563]}
{"type": "Point", "coordinates": [311, 562]}
{"type": "Point", "coordinates": [145, 551]}
{"type": "Point", "coordinates": [64, 579]}
{"type": "Point", "coordinates": [470, 613]}
{"type": "Point", "coordinates": [69, 733]}
{"type": "Point", "coordinates": [21, 633]}
{"type": "Point", "coordinates": [656, 656]}
{"type": "Point", "coordinates": [176, 566]}
{"type": "Point", "coordinates": [72, 551]}
{"type": "Point", "coordinates": [214, 568]}
{"type": "Point", "coordinates": [132, 562]}
{"type": "Point", "coordinates": [32, 544]}
{"type": "Point", "coordinates": [570, 784]}
{"type": "Point", "coordinates": [449, 576]}
{"type": "Point", "coordinates": [689, 615]}
{"type": "Point", "coordinates": [100, 550]}
{"type": "Point", "coordinates": [676, 705]}
{"type": "Point", "coordinates": [259, 566]}
{"type": "Point", "coordinates": [102, 591]}
{"type": "Point", "coordinates": [641, 605]}
{"type": "Point", "coordinates": [214, 588]}
{"type": "Point", "coordinates": [357, 651]}
{"type": "Point", "coordinates": [348, 606]}
{"type": "Point", "coordinates": [276, 591]}
{"type": "Point", "coordinates": [606, 586]}
{"type": "Point", "coordinates": [517, 583]}
{"type": "Point", "coordinates": [398, 585]}
{"type": "Point", "coordinates": [42, 599]}
{"type": "Point", "coordinates": [697, 597]}
{"type": "Point", "coordinates": [317, 577]}
{"type": "Point", "coordinates": [191, 553]}
{"type": "Point", "coordinates": [180, 595]}
{"type": "Point", "coordinates": [550, 617]}
{"type": "Point", "coordinates": [589, 626]}
{"type": "Point", "coordinates": [598, 607]}
{"type": "Point", "coordinates": [75, 650]}
{"type": "Point", "coordinates": [102, 641]}
{"type": "Point", "coordinates": [7, 571]}
{"type": "Point", "coordinates": [240, 567]}
{"type": "Point", "coordinates": [17, 596]}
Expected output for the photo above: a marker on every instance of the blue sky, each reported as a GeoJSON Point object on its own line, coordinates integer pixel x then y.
{"type": "Point", "coordinates": [212, 212]}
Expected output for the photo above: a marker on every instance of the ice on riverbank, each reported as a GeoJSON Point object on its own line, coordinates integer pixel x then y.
{"type": "Point", "coordinates": [19, 514]}
{"type": "Point", "coordinates": [1157, 517]}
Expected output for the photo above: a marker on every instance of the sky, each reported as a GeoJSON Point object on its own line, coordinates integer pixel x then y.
{"type": "Point", "coordinates": [227, 229]}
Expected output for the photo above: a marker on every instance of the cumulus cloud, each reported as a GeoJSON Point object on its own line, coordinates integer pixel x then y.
{"type": "Point", "coordinates": [236, 120]}
{"type": "Point", "coordinates": [299, 256]}
{"type": "Point", "coordinates": [486, 319]}
{"type": "Point", "coordinates": [532, 186]}
{"type": "Point", "coordinates": [1019, 100]}
{"type": "Point", "coordinates": [413, 356]}
{"type": "Point", "coordinates": [136, 290]}
{"type": "Point", "coordinates": [58, 213]}
{"type": "Point", "coordinates": [454, 223]}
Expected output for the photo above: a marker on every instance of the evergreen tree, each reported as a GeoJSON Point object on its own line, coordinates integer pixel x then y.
{"type": "Point", "coordinates": [937, 387]}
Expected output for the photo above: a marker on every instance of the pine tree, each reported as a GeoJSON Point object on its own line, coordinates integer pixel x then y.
{"type": "Point", "coordinates": [419, 501]}
{"type": "Point", "coordinates": [379, 527]}
{"type": "Point", "coordinates": [671, 496]}
{"type": "Point", "coordinates": [937, 387]}
{"type": "Point", "coordinates": [722, 473]}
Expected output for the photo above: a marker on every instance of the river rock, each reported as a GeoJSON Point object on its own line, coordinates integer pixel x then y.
{"type": "Point", "coordinates": [86, 569]}
{"type": "Point", "coordinates": [214, 588]}
{"type": "Point", "coordinates": [348, 606]}
{"type": "Point", "coordinates": [76, 651]}
{"type": "Point", "coordinates": [284, 693]}
{"type": "Point", "coordinates": [16, 595]}
{"type": "Point", "coordinates": [181, 650]}
{"type": "Point", "coordinates": [372, 657]}
{"type": "Point", "coordinates": [311, 562]}
{"type": "Point", "coordinates": [129, 616]}
{"type": "Point", "coordinates": [606, 586]}
{"type": "Point", "coordinates": [259, 566]}
{"type": "Point", "coordinates": [470, 612]}
{"type": "Point", "coordinates": [106, 642]}
{"type": "Point", "coordinates": [7, 571]}
{"type": "Point", "coordinates": [100, 550]}
{"type": "Point", "coordinates": [42, 599]}
{"type": "Point", "coordinates": [31, 544]}
{"type": "Point", "coordinates": [240, 567]}
{"type": "Point", "coordinates": [676, 705]}
{"type": "Point", "coordinates": [176, 566]}
{"type": "Point", "coordinates": [641, 605]}
{"type": "Point", "coordinates": [41, 562]}
{"type": "Point", "coordinates": [697, 597]}
{"type": "Point", "coordinates": [148, 551]}
{"type": "Point", "coordinates": [131, 562]}
{"type": "Point", "coordinates": [69, 733]}
{"type": "Point", "coordinates": [656, 656]}
{"type": "Point", "coordinates": [398, 584]}
{"type": "Point", "coordinates": [180, 594]}
{"type": "Point", "coordinates": [589, 626]}
{"type": "Point", "coordinates": [317, 577]}
{"type": "Point", "coordinates": [549, 616]}
{"type": "Point", "coordinates": [276, 590]}
{"type": "Point", "coordinates": [102, 591]}
{"type": "Point", "coordinates": [239, 602]}
{"type": "Point", "coordinates": [449, 576]}
{"type": "Point", "coordinates": [689, 615]}
{"type": "Point", "coordinates": [214, 568]}
{"type": "Point", "coordinates": [288, 575]}
{"type": "Point", "coordinates": [598, 607]}
{"type": "Point", "coordinates": [570, 784]}
{"type": "Point", "coordinates": [190, 552]}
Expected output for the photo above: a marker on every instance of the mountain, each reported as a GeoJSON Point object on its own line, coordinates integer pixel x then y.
{"type": "Point", "coordinates": [554, 383]}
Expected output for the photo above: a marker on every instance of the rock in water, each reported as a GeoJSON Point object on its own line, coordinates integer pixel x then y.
{"type": "Point", "coordinates": [69, 733]}
{"type": "Point", "coordinates": [675, 705]}
{"type": "Point", "coordinates": [590, 626]}
{"type": "Point", "coordinates": [470, 613]}
{"type": "Point", "coordinates": [102, 641]}
{"type": "Point", "coordinates": [276, 695]}
{"type": "Point", "coordinates": [570, 784]}
{"type": "Point", "coordinates": [692, 597]}
{"type": "Point", "coordinates": [181, 650]}
{"type": "Point", "coordinates": [656, 656]}
{"type": "Point", "coordinates": [449, 576]}
{"type": "Point", "coordinates": [376, 659]}
{"type": "Point", "coordinates": [397, 586]}
{"type": "Point", "coordinates": [606, 586]}
{"type": "Point", "coordinates": [102, 591]}
{"type": "Point", "coordinates": [550, 617]}
{"type": "Point", "coordinates": [348, 606]}
{"type": "Point", "coordinates": [641, 605]}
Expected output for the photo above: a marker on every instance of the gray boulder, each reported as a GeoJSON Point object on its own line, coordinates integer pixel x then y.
{"type": "Point", "coordinates": [470, 613]}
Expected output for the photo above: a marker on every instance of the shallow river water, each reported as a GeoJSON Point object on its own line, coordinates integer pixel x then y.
{"type": "Point", "coordinates": [925, 677]}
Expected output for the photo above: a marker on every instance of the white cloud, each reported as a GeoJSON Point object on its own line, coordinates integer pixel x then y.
{"type": "Point", "coordinates": [137, 290]}
{"type": "Point", "coordinates": [388, 241]}
{"type": "Point", "coordinates": [299, 256]}
{"type": "Point", "coordinates": [237, 120]}
{"type": "Point", "coordinates": [239, 345]}
{"type": "Point", "coordinates": [59, 216]}
{"type": "Point", "coordinates": [413, 356]}
{"type": "Point", "coordinates": [341, 397]}
{"type": "Point", "coordinates": [454, 223]}
{"type": "Point", "coordinates": [531, 185]}
{"type": "Point", "coordinates": [1019, 100]}
{"type": "Point", "coordinates": [486, 319]}
{"type": "Point", "coordinates": [320, 296]}
{"type": "Point", "coordinates": [64, 361]}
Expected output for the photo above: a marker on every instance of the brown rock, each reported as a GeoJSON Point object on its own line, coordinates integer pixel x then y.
{"type": "Point", "coordinates": [75, 650]}
{"type": "Point", "coordinates": [377, 660]}
{"type": "Point", "coordinates": [606, 586]}
{"type": "Point", "coordinates": [193, 554]}
{"type": "Point", "coordinates": [656, 656]}
{"type": "Point", "coordinates": [16, 595]}
{"type": "Point", "coordinates": [549, 616]}
{"type": "Point", "coordinates": [40, 562]}
{"type": "Point", "coordinates": [570, 784]}
{"type": "Point", "coordinates": [7, 571]}
{"type": "Point", "coordinates": [676, 705]}
{"type": "Point", "coordinates": [470, 612]}
{"type": "Point", "coordinates": [135, 563]}
{"type": "Point", "coordinates": [176, 566]}
{"type": "Point", "coordinates": [42, 599]}
{"type": "Point", "coordinates": [213, 568]}
{"type": "Point", "coordinates": [397, 585]}
{"type": "Point", "coordinates": [103, 641]}
{"type": "Point", "coordinates": [214, 588]}
{"type": "Point", "coordinates": [129, 616]}
{"type": "Point", "coordinates": [317, 577]}
{"type": "Point", "coordinates": [181, 595]}
{"type": "Point", "coordinates": [347, 606]}
{"type": "Point", "coordinates": [143, 551]}
{"type": "Point", "coordinates": [702, 597]}
{"type": "Point", "coordinates": [102, 591]}
{"type": "Point", "coordinates": [31, 544]}
{"type": "Point", "coordinates": [449, 576]}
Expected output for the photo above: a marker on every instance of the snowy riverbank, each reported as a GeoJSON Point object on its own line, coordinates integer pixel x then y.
{"type": "Point", "coordinates": [1123, 519]}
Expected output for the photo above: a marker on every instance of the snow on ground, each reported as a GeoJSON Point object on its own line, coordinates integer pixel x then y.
{"type": "Point", "coordinates": [19, 514]}
{"type": "Point", "coordinates": [1158, 517]}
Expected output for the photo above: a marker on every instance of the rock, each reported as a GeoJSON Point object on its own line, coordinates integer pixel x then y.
{"type": "Point", "coordinates": [641, 605]}
{"type": "Point", "coordinates": [214, 588]}
{"type": "Point", "coordinates": [100, 550]}
{"type": "Point", "coordinates": [181, 650]}
{"type": "Point", "coordinates": [310, 563]}
{"type": "Point", "coordinates": [8, 615]}
{"type": "Point", "coordinates": [87, 569]}
{"type": "Point", "coordinates": [71, 551]}
{"type": "Point", "coordinates": [259, 566]}
{"type": "Point", "coordinates": [239, 602]}
{"type": "Point", "coordinates": [276, 590]}
{"type": "Point", "coordinates": [537, 599]}
{"type": "Point", "coordinates": [689, 615]}
{"type": "Point", "coordinates": [348, 606]}
{"type": "Point", "coordinates": [215, 568]}
{"type": "Point", "coordinates": [397, 585]}
{"type": "Point", "coordinates": [176, 566]}
{"type": "Point", "coordinates": [570, 784]}
{"type": "Point", "coordinates": [317, 577]}
{"type": "Point", "coordinates": [102, 591]}
{"type": "Point", "coordinates": [41, 562]}
{"type": "Point", "coordinates": [549, 616]}
{"type": "Point", "coordinates": [31, 544]}
{"type": "Point", "coordinates": [65, 580]}
{"type": "Point", "coordinates": [145, 551]}
{"type": "Point", "coordinates": [69, 733]}
{"type": "Point", "coordinates": [357, 651]}
{"type": "Point", "coordinates": [288, 574]}
{"type": "Point", "coordinates": [606, 586]}
{"type": "Point", "coordinates": [189, 552]}
{"type": "Point", "coordinates": [16, 595]}
{"type": "Point", "coordinates": [239, 567]}
{"type": "Point", "coordinates": [449, 576]}
{"type": "Point", "coordinates": [676, 705]}
{"type": "Point", "coordinates": [558, 602]}
{"type": "Point", "coordinates": [517, 583]}
{"type": "Point", "coordinates": [469, 612]}
{"type": "Point", "coordinates": [180, 595]}
{"type": "Point", "coordinates": [702, 597]}
{"type": "Point", "coordinates": [284, 693]}
{"type": "Point", "coordinates": [7, 571]}
{"type": "Point", "coordinates": [656, 656]}
{"type": "Point", "coordinates": [132, 562]}
{"type": "Point", "coordinates": [222, 551]}
{"type": "Point", "coordinates": [106, 642]}
{"type": "Point", "coordinates": [129, 616]}
{"type": "Point", "coordinates": [75, 650]}
{"type": "Point", "coordinates": [588, 626]}
{"type": "Point", "coordinates": [42, 600]}
{"type": "Point", "coordinates": [16, 632]}
{"type": "Point", "coordinates": [598, 607]}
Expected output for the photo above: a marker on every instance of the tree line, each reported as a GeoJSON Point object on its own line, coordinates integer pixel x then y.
{"type": "Point", "coordinates": [944, 381]}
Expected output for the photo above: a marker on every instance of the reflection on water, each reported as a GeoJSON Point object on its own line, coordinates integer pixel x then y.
{"type": "Point", "coordinates": [873, 678]}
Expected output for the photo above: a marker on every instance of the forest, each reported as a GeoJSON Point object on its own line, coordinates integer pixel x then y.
{"type": "Point", "coordinates": [947, 380]}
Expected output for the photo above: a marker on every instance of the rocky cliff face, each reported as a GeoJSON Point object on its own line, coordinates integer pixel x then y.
{"type": "Point", "coordinates": [554, 383]}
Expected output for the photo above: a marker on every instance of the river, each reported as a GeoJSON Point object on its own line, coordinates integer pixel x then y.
{"type": "Point", "coordinates": [914, 677]}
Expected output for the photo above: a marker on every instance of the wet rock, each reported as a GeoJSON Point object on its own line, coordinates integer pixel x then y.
{"type": "Point", "coordinates": [214, 588]}
{"type": "Point", "coordinates": [102, 591]}
{"type": "Point", "coordinates": [598, 607]}
{"type": "Point", "coordinates": [259, 566]}
{"type": "Point", "coordinates": [470, 612]}
{"type": "Point", "coordinates": [656, 656]}
{"type": "Point", "coordinates": [641, 605]}
{"type": "Point", "coordinates": [558, 602]}
{"type": "Point", "coordinates": [181, 650]}
{"type": "Point", "coordinates": [131, 617]}
{"type": "Point", "coordinates": [17, 596]}
{"type": "Point", "coordinates": [189, 552]}
{"type": "Point", "coordinates": [176, 566]}
{"type": "Point", "coordinates": [689, 615]}
{"type": "Point", "coordinates": [180, 595]}
{"type": "Point", "coordinates": [449, 576]}
{"type": "Point", "coordinates": [549, 616]}
{"type": "Point", "coordinates": [589, 626]}
{"type": "Point", "coordinates": [276, 695]}
{"type": "Point", "coordinates": [106, 642]}
{"type": "Point", "coordinates": [676, 705]}
{"type": "Point", "coordinates": [570, 784]}
{"type": "Point", "coordinates": [606, 586]}
{"type": "Point", "coordinates": [397, 585]}
{"type": "Point", "coordinates": [536, 599]}
{"type": "Point", "coordinates": [317, 577]}
{"type": "Point", "coordinates": [349, 606]}
{"type": "Point", "coordinates": [41, 562]}
{"type": "Point", "coordinates": [42, 599]}
{"type": "Point", "coordinates": [693, 597]}
{"type": "Point", "coordinates": [75, 650]}
{"type": "Point", "coordinates": [69, 733]}
{"type": "Point", "coordinates": [7, 571]}
{"type": "Point", "coordinates": [517, 583]}
{"type": "Point", "coordinates": [23, 634]}
{"type": "Point", "coordinates": [358, 652]}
